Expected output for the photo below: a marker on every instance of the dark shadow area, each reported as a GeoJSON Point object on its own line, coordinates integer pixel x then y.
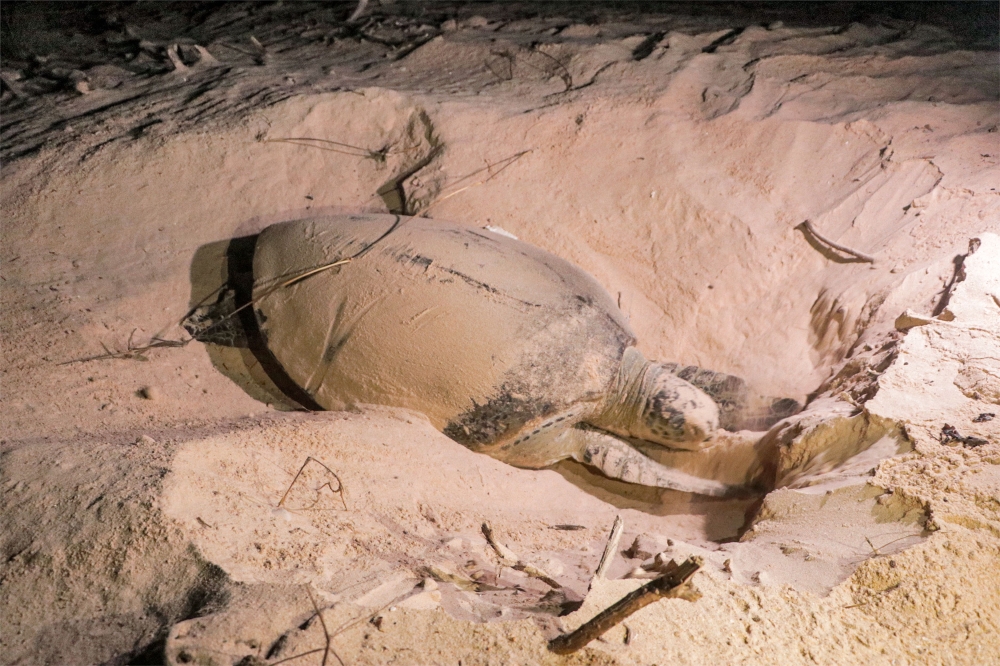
{"type": "Point", "coordinates": [65, 51]}
{"type": "Point", "coordinates": [957, 276]}
{"type": "Point", "coordinates": [39, 28]}
{"type": "Point", "coordinates": [974, 24]}
{"type": "Point", "coordinates": [210, 593]}
{"type": "Point", "coordinates": [240, 261]}
{"type": "Point", "coordinates": [222, 280]}
{"type": "Point", "coordinates": [697, 518]}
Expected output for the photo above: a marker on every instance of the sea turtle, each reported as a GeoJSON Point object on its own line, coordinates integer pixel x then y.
{"type": "Point", "coordinates": [506, 348]}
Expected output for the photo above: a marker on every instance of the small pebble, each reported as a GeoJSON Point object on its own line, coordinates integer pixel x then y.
{"type": "Point", "coordinates": [150, 393]}
{"type": "Point", "coordinates": [646, 546]}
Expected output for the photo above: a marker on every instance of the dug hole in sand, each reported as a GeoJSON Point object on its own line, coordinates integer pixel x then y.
{"type": "Point", "coordinates": [164, 503]}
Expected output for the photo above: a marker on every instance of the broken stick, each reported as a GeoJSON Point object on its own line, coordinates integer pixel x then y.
{"type": "Point", "coordinates": [670, 585]}
{"type": "Point", "coordinates": [808, 226]}
{"type": "Point", "coordinates": [504, 554]}
{"type": "Point", "coordinates": [509, 559]}
{"type": "Point", "coordinates": [610, 548]}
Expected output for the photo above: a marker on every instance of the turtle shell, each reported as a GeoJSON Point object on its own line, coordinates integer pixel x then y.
{"type": "Point", "coordinates": [485, 334]}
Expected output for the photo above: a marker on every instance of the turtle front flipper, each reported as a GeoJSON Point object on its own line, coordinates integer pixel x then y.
{"type": "Point", "coordinates": [608, 454]}
{"type": "Point", "coordinates": [616, 459]}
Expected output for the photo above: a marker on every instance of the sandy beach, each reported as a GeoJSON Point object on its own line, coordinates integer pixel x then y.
{"type": "Point", "coordinates": [164, 502]}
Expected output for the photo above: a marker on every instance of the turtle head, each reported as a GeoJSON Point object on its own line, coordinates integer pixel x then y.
{"type": "Point", "coordinates": [653, 404]}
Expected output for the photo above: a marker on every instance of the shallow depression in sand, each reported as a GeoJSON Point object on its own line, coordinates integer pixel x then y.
{"type": "Point", "coordinates": [680, 227]}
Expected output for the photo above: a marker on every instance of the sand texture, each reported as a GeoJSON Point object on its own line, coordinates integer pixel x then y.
{"type": "Point", "coordinates": [164, 502]}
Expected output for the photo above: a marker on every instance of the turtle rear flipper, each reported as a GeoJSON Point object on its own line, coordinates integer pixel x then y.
{"type": "Point", "coordinates": [611, 456]}
{"type": "Point", "coordinates": [617, 460]}
{"type": "Point", "coordinates": [739, 408]}
{"type": "Point", "coordinates": [217, 323]}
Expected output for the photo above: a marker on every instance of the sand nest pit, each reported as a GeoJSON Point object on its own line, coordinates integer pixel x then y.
{"type": "Point", "coordinates": [171, 508]}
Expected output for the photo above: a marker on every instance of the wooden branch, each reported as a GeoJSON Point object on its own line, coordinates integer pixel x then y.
{"type": "Point", "coordinates": [808, 226]}
{"type": "Point", "coordinates": [508, 558]}
{"type": "Point", "coordinates": [670, 585]}
{"type": "Point", "coordinates": [504, 554]}
{"type": "Point", "coordinates": [610, 547]}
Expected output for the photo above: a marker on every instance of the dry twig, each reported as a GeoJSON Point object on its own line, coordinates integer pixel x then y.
{"type": "Point", "coordinates": [379, 155]}
{"type": "Point", "coordinates": [507, 57]}
{"type": "Point", "coordinates": [293, 280]}
{"type": "Point", "coordinates": [204, 57]}
{"type": "Point", "coordinates": [510, 58]}
{"type": "Point", "coordinates": [610, 548]}
{"type": "Point", "coordinates": [505, 554]}
{"type": "Point", "coordinates": [508, 558]}
{"type": "Point", "coordinates": [131, 351]}
{"type": "Point", "coordinates": [327, 649]}
{"type": "Point", "coordinates": [506, 162]}
{"type": "Point", "coordinates": [670, 585]}
{"type": "Point", "coordinates": [535, 572]}
{"type": "Point", "coordinates": [566, 77]}
{"type": "Point", "coordinates": [808, 226]}
{"type": "Point", "coordinates": [950, 434]}
{"type": "Point", "coordinates": [339, 490]}
{"type": "Point", "coordinates": [237, 49]}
